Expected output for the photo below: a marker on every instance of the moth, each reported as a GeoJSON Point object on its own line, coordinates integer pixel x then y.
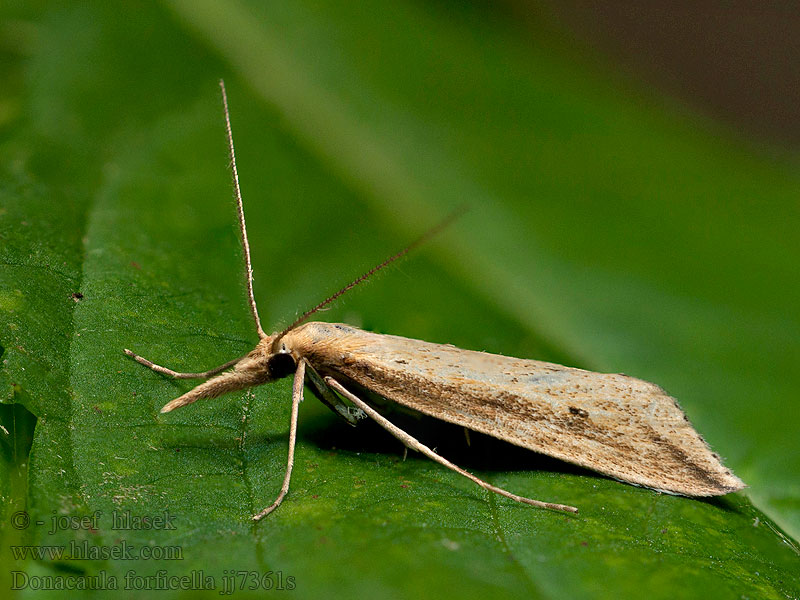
{"type": "Point", "coordinates": [614, 424]}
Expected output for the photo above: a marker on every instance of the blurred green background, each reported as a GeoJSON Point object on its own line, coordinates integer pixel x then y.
{"type": "Point", "coordinates": [631, 210]}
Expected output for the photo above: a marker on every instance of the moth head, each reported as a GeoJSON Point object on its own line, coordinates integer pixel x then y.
{"type": "Point", "coordinates": [268, 361]}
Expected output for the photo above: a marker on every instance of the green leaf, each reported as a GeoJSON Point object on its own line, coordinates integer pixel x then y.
{"type": "Point", "coordinates": [605, 231]}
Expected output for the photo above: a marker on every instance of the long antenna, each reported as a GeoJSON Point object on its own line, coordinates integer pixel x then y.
{"type": "Point", "coordinates": [240, 210]}
{"type": "Point", "coordinates": [420, 240]}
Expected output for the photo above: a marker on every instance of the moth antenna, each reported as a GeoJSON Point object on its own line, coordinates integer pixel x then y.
{"type": "Point", "coordinates": [419, 241]}
{"type": "Point", "coordinates": [240, 212]}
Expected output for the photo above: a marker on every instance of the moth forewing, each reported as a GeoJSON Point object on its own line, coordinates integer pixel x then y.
{"type": "Point", "coordinates": [621, 426]}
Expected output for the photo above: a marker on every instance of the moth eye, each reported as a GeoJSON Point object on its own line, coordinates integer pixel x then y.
{"type": "Point", "coordinates": [281, 365]}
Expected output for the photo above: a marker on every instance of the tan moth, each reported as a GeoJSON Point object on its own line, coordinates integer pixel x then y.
{"type": "Point", "coordinates": [618, 425]}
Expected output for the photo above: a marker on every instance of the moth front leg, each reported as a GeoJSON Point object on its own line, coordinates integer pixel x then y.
{"type": "Point", "coordinates": [297, 398]}
{"type": "Point", "coordinates": [415, 444]}
{"type": "Point", "coordinates": [175, 374]}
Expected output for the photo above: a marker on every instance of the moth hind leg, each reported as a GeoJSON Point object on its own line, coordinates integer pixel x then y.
{"type": "Point", "coordinates": [177, 375]}
{"type": "Point", "coordinates": [415, 444]}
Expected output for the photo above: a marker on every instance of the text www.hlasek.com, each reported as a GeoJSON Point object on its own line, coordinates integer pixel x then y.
{"type": "Point", "coordinates": [85, 551]}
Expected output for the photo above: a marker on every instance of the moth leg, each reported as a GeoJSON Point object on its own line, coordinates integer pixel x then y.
{"type": "Point", "coordinates": [331, 400]}
{"type": "Point", "coordinates": [297, 398]}
{"type": "Point", "coordinates": [176, 374]}
{"type": "Point", "coordinates": [415, 444]}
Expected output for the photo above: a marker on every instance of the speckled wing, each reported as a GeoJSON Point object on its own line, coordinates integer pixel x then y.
{"type": "Point", "coordinates": [621, 426]}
